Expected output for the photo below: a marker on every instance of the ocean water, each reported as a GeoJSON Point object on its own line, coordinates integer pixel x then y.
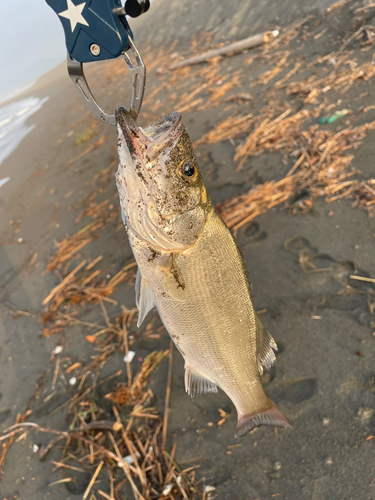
{"type": "Point", "coordinates": [13, 126]}
{"type": "Point", "coordinates": [15, 91]}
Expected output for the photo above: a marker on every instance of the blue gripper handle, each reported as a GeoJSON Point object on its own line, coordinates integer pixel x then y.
{"type": "Point", "coordinates": [93, 32]}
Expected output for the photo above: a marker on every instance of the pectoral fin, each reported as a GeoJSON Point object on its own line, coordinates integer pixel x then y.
{"type": "Point", "coordinates": [196, 384]}
{"type": "Point", "coordinates": [169, 276]}
{"type": "Point", "coordinates": [266, 347]}
{"type": "Point", "coordinates": [144, 297]}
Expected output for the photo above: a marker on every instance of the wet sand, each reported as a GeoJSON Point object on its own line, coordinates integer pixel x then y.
{"type": "Point", "coordinates": [324, 378]}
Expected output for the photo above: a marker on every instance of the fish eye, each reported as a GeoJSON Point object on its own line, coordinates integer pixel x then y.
{"type": "Point", "coordinates": [188, 169]}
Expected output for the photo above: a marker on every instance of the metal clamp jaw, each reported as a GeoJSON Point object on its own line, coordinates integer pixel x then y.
{"type": "Point", "coordinates": [138, 74]}
{"type": "Point", "coordinates": [97, 30]}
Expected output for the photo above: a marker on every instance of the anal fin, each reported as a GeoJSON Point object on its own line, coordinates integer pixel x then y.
{"type": "Point", "coordinates": [270, 416]}
{"type": "Point", "coordinates": [196, 384]}
{"type": "Point", "coordinates": [266, 347]}
{"type": "Point", "coordinates": [144, 297]}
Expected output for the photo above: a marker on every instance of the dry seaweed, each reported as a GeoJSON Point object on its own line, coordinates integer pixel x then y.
{"type": "Point", "coordinates": [339, 79]}
{"type": "Point", "coordinates": [273, 135]}
{"type": "Point", "coordinates": [133, 449]}
{"type": "Point", "coordinates": [322, 168]}
{"type": "Point", "coordinates": [70, 245]}
{"type": "Point", "coordinates": [229, 128]}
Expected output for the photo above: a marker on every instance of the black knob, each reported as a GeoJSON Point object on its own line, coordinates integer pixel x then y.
{"type": "Point", "coordinates": [135, 8]}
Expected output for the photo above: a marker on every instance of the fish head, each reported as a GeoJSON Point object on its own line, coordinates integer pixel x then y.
{"type": "Point", "coordinates": [163, 198]}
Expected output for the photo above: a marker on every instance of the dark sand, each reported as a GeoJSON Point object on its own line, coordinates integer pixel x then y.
{"type": "Point", "coordinates": [324, 378]}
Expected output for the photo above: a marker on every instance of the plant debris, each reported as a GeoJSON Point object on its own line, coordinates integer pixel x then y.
{"type": "Point", "coordinates": [322, 167]}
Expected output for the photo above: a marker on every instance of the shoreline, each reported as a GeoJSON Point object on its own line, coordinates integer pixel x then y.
{"type": "Point", "coordinates": [48, 78]}
{"type": "Point", "coordinates": [48, 85]}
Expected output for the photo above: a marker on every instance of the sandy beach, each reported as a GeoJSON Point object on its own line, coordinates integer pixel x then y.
{"type": "Point", "coordinates": [305, 230]}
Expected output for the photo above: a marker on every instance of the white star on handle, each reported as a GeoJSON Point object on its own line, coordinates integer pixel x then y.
{"type": "Point", "coordinates": [74, 14]}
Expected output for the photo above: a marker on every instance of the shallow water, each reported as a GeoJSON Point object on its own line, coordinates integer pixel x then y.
{"type": "Point", "coordinates": [13, 126]}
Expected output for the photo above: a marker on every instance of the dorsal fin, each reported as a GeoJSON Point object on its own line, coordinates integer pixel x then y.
{"type": "Point", "coordinates": [144, 297]}
{"type": "Point", "coordinates": [266, 347]}
{"type": "Point", "coordinates": [196, 384]}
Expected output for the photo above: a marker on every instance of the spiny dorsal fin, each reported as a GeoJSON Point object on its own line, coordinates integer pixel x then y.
{"type": "Point", "coordinates": [266, 347]}
{"type": "Point", "coordinates": [196, 384]}
{"type": "Point", "coordinates": [144, 298]}
{"type": "Point", "coordinates": [170, 278]}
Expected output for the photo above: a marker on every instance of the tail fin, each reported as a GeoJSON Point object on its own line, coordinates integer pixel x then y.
{"type": "Point", "coordinates": [270, 416]}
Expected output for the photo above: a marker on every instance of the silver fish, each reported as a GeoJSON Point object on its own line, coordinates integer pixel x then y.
{"type": "Point", "coordinates": [191, 268]}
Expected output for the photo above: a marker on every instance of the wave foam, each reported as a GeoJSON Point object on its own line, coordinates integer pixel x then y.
{"type": "Point", "coordinates": [13, 126]}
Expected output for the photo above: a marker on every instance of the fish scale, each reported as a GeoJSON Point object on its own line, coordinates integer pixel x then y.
{"type": "Point", "coordinates": [214, 328]}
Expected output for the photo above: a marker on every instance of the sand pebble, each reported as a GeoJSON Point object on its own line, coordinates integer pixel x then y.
{"type": "Point", "coordinates": [365, 414]}
{"type": "Point", "coordinates": [129, 459]}
{"type": "Point", "coordinates": [129, 357]}
{"type": "Point", "coordinates": [208, 489]}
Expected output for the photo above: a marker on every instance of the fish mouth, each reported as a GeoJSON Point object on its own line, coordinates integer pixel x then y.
{"type": "Point", "coordinates": [151, 140]}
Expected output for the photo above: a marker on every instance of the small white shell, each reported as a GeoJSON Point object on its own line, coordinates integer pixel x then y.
{"type": "Point", "coordinates": [167, 489]}
{"type": "Point", "coordinates": [129, 357]}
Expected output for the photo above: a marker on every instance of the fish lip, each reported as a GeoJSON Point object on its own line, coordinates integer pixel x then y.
{"type": "Point", "coordinates": [126, 121]}
{"type": "Point", "coordinates": [127, 125]}
{"type": "Point", "coordinates": [168, 127]}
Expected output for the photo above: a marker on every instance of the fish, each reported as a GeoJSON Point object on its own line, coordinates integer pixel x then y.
{"type": "Point", "coordinates": [191, 269]}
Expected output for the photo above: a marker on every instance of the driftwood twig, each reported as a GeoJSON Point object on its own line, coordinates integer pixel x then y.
{"type": "Point", "coordinates": [167, 395]}
{"type": "Point", "coordinates": [230, 49]}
